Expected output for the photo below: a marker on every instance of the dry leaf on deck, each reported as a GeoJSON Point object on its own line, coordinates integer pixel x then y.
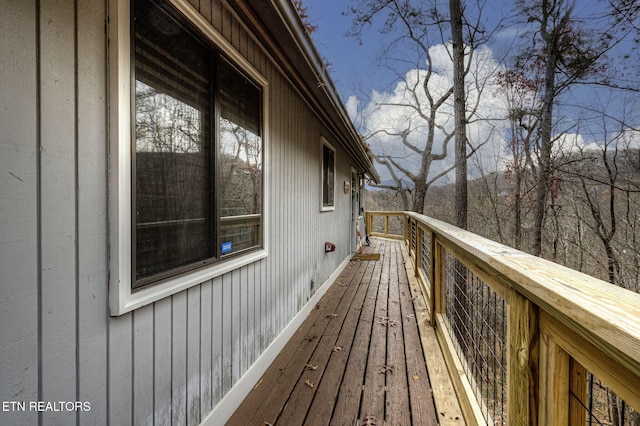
{"type": "Point", "coordinates": [309, 384]}
{"type": "Point", "coordinates": [386, 368]}
{"type": "Point", "coordinates": [311, 367]}
{"type": "Point", "coordinates": [416, 377]}
{"type": "Point", "coordinates": [336, 348]}
{"type": "Point", "coordinates": [369, 420]}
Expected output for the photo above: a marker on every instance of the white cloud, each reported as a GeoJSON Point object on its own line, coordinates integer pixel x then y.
{"type": "Point", "coordinates": [575, 143]}
{"type": "Point", "coordinates": [630, 139]}
{"type": "Point", "coordinates": [387, 114]}
{"type": "Point", "coordinates": [572, 143]}
{"type": "Point", "coordinates": [352, 105]}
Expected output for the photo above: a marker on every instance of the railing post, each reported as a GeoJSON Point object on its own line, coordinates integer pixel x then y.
{"type": "Point", "coordinates": [367, 222]}
{"type": "Point", "coordinates": [435, 275]}
{"type": "Point", "coordinates": [578, 387]}
{"type": "Point", "coordinates": [522, 360]}
{"type": "Point", "coordinates": [405, 229]}
{"type": "Point", "coordinates": [418, 252]}
{"type": "Point", "coordinates": [438, 270]}
{"type": "Point", "coordinates": [406, 233]}
{"type": "Point", "coordinates": [554, 383]}
{"type": "Point", "coordinates": [371, 221]}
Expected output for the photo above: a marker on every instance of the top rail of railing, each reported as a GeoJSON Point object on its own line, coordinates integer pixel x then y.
{"type": "Point", "coordinates": [595, 322]}
{"type": "Point", "coordinates": [607, 315]}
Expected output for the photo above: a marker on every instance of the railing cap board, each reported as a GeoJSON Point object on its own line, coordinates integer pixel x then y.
{"type": "Point", "coordinates": [607, 315]}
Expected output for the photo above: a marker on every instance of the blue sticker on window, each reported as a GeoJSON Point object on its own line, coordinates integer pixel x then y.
{"type": "Point", "coordinates": [226, 247]}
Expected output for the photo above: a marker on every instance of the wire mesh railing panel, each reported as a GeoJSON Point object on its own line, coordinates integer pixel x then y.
{"type": "Point", "coordinates": [476, 319]}
{"type": "Point", "coordinates": [387, 224]}
{"type": "Point", "coordinates": [377, 224]}
{"type": "Point", "coordinates": [603, 407]}
{"type": "Point", "coordinates": [395, 225]}
{"type": "Point", "coordinates": [425, 260]}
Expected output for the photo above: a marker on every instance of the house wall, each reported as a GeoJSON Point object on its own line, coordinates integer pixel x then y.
{"type": "Point", "coordinates": [173, 360]}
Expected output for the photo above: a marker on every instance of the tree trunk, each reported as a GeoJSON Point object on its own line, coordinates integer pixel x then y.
{"type": "Point", "coordinates": [459, 110]}
{"type": "Point", "coordinates": [419, 195]}
{"type": "Point", "coordinates": [544, 181]}
{"type": "Point", "coordinates": [518, 210]}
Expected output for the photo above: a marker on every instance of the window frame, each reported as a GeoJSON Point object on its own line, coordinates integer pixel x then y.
{"type": "Point", "coordinates": [122, 297]}
{"type": "Point", "coordinates": [332, 206]}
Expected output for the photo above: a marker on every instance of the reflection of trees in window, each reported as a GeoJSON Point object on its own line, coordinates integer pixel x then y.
{"type": "Point", "coordinates": [171, 182]}
{"type": "Point", "coordinates": [164, 124]}
{"type": "Point", "coordinates": [240, 159]}
{"type": "Point", "coordinates": [241, 163]}
{"type": "Point", "coordinates": [192, 197]}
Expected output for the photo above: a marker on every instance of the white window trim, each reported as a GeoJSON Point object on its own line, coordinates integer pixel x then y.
{"type": "Point", "coordinates": [122, 298]}
{"type": "Point", "coordinates": [335, 161]}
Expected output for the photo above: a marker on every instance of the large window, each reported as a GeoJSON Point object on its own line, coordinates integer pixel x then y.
{"type": "Point", "coordinates": [197, 151]}
{"type": "Point", "coordinates": [328, 176]}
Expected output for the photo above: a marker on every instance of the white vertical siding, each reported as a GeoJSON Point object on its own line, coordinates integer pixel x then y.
{"type": "Point", "coordinates": [162, 354]}
{"type": "Point", "coordinates": [217, 342]}
{"type": "Point", "coordinates": [58, 235]}
{"type": "Point", "coordinates": [143, 366]}
{"type": "Point", "coordinates": [19, 187]}
{"type": "Point", "coordinates": [175, 360]}
{"type": "Point", "coordinates": [91, 329]}
{"type": "Point", "coordinates": [205, 360]}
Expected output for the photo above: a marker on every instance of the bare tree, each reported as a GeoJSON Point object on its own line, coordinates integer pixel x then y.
{"type": "Point", "coordinates": [414, 25]}
{"type": "Point", "coordinates": [459, 112]}
{"type": "Point", "coordinates": [520, 95]}
{"type": "Point", "coordinates": [560, 55]}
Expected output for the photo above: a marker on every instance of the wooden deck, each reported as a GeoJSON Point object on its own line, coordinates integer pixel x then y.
{"type": "Point", "coordinates": [357, 358]}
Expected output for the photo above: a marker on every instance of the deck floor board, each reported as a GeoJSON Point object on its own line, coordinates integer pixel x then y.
{"type": "Point", "coordinates": [364, 354]}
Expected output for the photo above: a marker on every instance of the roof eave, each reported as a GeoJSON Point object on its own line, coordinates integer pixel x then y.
{"type": "Point", "coordinates": [294, 45]}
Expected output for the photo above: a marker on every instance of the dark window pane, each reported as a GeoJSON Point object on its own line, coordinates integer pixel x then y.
{"type": "Point", "coordinates": [240, 160]}
{"type": "Point", "coordinates": [240, 233]}
{"type": "Point", "coordinates": [195, 201]}
{"type": "Point", "coordinates": [173, 220]}
{"type": "Point", "coordinates": [328, 168]}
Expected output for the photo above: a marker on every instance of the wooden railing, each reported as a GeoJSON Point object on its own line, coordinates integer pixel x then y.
{"type": "Point", "coordinates": [390, 224]}
{"type": "Point", "coordinates": [520, 334]}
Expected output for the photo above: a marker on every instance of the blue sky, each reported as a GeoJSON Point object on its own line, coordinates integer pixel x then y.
{"type": "Point", "coordinates": [354, 67]}
{"type": "Point", "coordinates": [354, 70]}
{"type": "Point", "coordinates": [351, 63]}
